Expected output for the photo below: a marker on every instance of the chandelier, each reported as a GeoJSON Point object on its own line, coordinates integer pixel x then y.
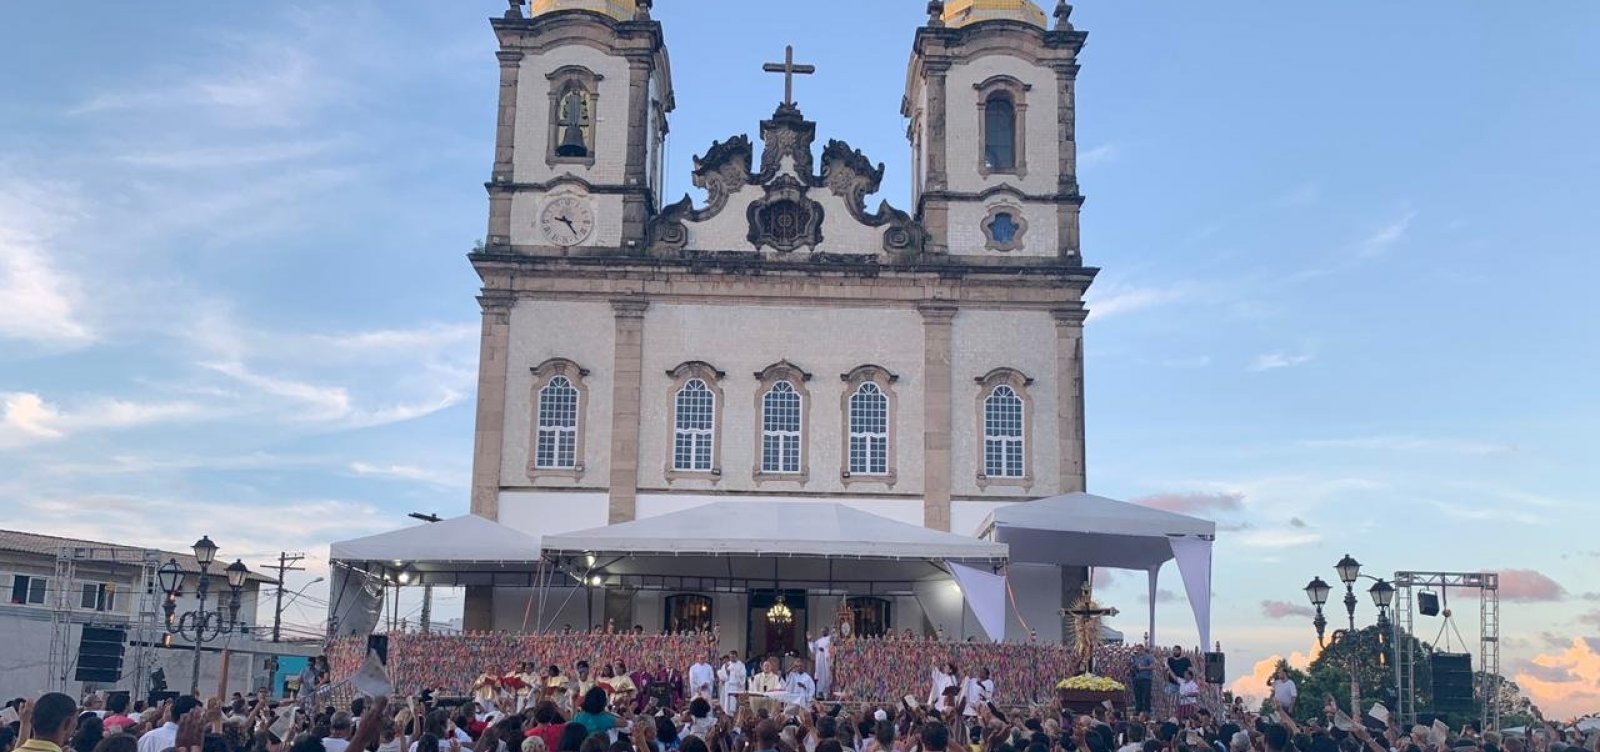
{"type": "Point", "coordinates": [779, 612]}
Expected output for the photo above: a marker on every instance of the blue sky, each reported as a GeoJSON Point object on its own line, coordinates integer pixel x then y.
{"type": "Point", "coordinates": [1346, 302]}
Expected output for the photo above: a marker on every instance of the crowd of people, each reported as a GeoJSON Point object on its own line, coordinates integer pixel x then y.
{"type": "Point", "coordinates": [602, 721]}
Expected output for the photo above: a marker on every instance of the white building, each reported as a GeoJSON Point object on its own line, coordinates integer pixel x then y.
{"type": "Point", "coordinates": [780, 342]}
{"type": "Point", "coordinates": [44, 613]}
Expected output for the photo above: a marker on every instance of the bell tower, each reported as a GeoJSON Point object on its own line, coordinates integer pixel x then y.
{"type": "Point", "coordinates": [990, 95]}
{"type": "Point", "coordinates": [585, 90]}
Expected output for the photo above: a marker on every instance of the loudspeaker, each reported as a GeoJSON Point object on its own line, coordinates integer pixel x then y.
{"type": "Point", "coordinates": [1216, 672]}
{"type": "Point", "coordinates": [1428, 604]}
{"type": "Point", "coordinates": [379, 644]}
{"type": "Point", "coordinates": [100, 654]}
{"type": "Point", "coordinates": [1452, 682]}
{"type": "Point", "coordinates": [158, 680]}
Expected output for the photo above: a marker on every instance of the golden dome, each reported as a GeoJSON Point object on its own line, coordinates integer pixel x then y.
{"type": "Point", "coordinates": [965, 12]}
{"type": "Point", "coordinates": [622, 10]}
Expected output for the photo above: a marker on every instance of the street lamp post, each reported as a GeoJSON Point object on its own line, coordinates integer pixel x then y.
{"type": "Point", "coordinates": [201, 626]}
{"type": "Point", "coordinates": [1349, 570]}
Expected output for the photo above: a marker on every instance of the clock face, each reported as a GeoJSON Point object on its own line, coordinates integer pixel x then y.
{"type": "Point", "coordinates": [567, 221]}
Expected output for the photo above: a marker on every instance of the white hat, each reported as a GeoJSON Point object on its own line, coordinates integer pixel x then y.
{"type": "Point", "coordinates": [880, 715]}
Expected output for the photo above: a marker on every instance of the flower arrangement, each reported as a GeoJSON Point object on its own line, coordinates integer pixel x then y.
{"type": "Point", "coordinates": [1091, 683]}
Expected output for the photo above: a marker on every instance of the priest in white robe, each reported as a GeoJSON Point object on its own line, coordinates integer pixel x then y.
{"type": "Point", "coordinates": [703, 678]}
{"type": "Point", "coordinates": [732, 677]}
{"type": "Point", "coordinates": [798, 687]}
{"type": "Point", "coordinates": [944, 678]}
{"type": "Point", "coordinates": [822, 656]}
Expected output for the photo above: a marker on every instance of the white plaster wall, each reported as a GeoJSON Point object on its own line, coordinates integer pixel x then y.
{"type": "Point", "coordinates": [583, 332]}
{"type": "Point", "coordinates": [966, 517]}
{"type": "Point", "coordinates": [527, 206]}
{"type": "Point", "coordinates": [541, 513]}
{"type": "Point", "coordinates": [966, 227]}
{"type": "Point", "coordinates": [982, 341]}
{"type": "Point", "coordinates": [742, 340]}
{"type": "Point", "coordinates": [963, 148]}
{"type": "Point", "coordinates": [908, 511]}
{"type": "Point", "coordinates": [841, 233]}
{"type": "Point", "coordinates": [533, 115]}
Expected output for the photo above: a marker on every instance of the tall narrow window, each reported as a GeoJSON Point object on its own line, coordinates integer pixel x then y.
{"type": "Point", "coordinates": [780, 429]}
{"type": "Point", "coordinates": [555, 443]}
{"type": "Point", "coordinates": [558, 426]}
{"type": "Point", "coordinates": [1002, 434]}
{"type": "Point", "coordinates": [694, 427]}
{"type": "Point", "coordinates": [1000, 133]}
{"type": "Point", "coordinates": [869, 431]}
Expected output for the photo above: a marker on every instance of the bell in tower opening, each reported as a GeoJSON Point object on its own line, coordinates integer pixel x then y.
{"type": "Point", "coordinates": [574, 123]}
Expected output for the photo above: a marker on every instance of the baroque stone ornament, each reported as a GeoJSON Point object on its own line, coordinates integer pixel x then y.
{"type": "Point", "coordinates": [785, 218]}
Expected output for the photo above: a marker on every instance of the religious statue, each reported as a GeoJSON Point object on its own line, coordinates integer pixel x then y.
{"type": "Point", "coordinates": [1085, 614]}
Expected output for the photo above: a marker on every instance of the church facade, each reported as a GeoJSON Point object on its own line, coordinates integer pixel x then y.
{"type": "Point", "coordinates": [779, 340]}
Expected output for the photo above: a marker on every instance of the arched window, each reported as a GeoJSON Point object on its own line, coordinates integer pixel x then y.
{"type": "Point", "coordinates": [688, 613]}
{"type": "Point", "coordinates": [780, 429]}
{"type": "Point", "coordinates": [869, 617]}
{"type": "Point", "coordinates": [869, 431]}
{"type": "Point", "coordinates": [1002, 125]}
{"type": "Point", "coordinates": [694, 427]}
{"type": "Point", "coordinates": [557, 445]}
{"type": "Point", "coordinates": [1000, 133]}
{"type": "Point", "coordinates": [1002, 434]}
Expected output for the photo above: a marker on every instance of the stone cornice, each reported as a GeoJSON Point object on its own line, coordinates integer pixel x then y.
{"type": "Point", "coordinates": [615, 262]}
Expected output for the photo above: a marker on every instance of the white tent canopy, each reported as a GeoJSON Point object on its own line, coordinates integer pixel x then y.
{"type": "Point", "coordinates": [794, 544]}
{"type": "Point", "coordinates": [468, 540]}
{"type": "Point", "coordinates": [465, 550]}
{"type": "Point", "coordinates": [1084, 530]}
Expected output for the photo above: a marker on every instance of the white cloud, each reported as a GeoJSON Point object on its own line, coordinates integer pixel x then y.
{"type": "Point", "coordinates": [1276, 538]}
{"type": "Point", "coordinates": [29, 420]}
{"type": "Point", "coordinates": [1107, 152]}
{"type": "Point", "coordinates": [409, 473]}
{"type": "Point", "coordinates": [1387, 235]}
{"type": "Point", "coordinates": [332, 404]}
{"type": "Point", "coordinates": [38, 300]}
{"type": "Point", "coordinates": [1112, 301]}
{"type": "Point", "coordinates": [1274, 360]}
{"type": "Point", "coordinates": [271, 85]}
{"type": "Point", "coordinates": [217, 157]}
{"type": "Point", "coordinates": [1413, 444]}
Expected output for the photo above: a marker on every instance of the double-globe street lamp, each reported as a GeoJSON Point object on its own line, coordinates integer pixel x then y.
{"type": "Point", "coordinates": [1382, 593]}
{"type": "Point", "coordinates": [201, 626]}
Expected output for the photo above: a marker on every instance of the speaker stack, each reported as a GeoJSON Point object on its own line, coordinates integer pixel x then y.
{"type": "Point", "coordinates": [1452, 682]}
{"type": "Point", "coordinates": [1216, 668]}
{"type": "Point", "coordinates": [100, 654]}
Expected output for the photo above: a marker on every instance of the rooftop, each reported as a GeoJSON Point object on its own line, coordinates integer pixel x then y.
{"type": "Point", "coordinates": [97, 551]}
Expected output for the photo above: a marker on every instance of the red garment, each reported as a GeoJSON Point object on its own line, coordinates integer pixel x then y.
{"type": "Point", "coordinates": [549, 732]}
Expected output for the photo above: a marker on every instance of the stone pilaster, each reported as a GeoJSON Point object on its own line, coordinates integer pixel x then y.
{"type": "Point", "coordinates": [936, 413]}
{"type": "Point", "coordinates": [635, 207]}
{"type": "Point", "coordinates": [627, 369]}
{"type": "Point", "coordinates": [489, 436]}
{"type": "Point", "coordinates": [504, 150]}
{"type": "Point", "coordinates": [938, 127]}
{"type": "Point", "coordinates": [1069, 397]}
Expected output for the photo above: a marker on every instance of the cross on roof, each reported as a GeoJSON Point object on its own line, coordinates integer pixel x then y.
{"type": "Point", "coordinates": [789, 70]}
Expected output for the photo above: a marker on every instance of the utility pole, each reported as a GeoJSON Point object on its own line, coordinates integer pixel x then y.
{"type": "Point", "coordinates": [427, 588]}
{"type": "Point", "coordinates": [286, 563]}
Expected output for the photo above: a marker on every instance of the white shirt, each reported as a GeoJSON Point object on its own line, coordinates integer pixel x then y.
{"type": "Point", "coordinates": [941, 680]}
{"type": "Point", "coordinates": [159, 738]}
{"type": "Point", "coordinates": [1284, 692]}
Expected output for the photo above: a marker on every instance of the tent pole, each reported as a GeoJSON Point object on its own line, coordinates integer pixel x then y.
{"type": "Point", "coordinates": [1150, 637]}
